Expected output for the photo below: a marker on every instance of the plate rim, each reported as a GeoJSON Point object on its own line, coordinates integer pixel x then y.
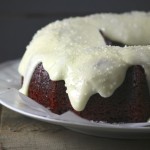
{"type": "Point", "coordinates": [71, 124]}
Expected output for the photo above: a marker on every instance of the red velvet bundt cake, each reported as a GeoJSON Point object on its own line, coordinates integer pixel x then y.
{"type": "Point", "coordinates": [82, 64]}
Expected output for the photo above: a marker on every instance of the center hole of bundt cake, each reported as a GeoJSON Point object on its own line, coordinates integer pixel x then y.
{"type": "Point", "coordinates": [108, 41]}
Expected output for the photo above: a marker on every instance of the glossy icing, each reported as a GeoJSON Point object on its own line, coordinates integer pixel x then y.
{"type": "Point", "coordinates": [73, 50]}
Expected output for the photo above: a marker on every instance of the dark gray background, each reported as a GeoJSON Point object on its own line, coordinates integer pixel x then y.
{"type": "Point", "coordinates": [19, 19]}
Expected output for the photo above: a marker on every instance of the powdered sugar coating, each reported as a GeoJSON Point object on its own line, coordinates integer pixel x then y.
{"type": "Point", "coordinates": [73, 50]}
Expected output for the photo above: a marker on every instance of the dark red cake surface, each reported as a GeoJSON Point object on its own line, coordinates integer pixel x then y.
{"type": "Point", "coordinates": [129, 103]}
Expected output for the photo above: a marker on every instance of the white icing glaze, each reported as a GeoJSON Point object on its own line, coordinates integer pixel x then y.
{"type": "Point", "coordinates": [73, 50]}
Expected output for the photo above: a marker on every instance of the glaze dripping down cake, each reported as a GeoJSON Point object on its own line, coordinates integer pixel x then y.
{"type": "Point", "coordinates": [97, 66]}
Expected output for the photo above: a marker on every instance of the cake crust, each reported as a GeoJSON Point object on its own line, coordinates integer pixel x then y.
{"type": "Point", "coordinates": [129, 103]}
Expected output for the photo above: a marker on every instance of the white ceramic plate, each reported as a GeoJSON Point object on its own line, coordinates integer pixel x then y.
{"type": "Point", "coordinates": [12, 99]}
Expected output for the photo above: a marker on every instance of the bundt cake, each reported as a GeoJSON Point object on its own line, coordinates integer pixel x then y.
{"type": "Point", "coordinates": [97, 66]}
